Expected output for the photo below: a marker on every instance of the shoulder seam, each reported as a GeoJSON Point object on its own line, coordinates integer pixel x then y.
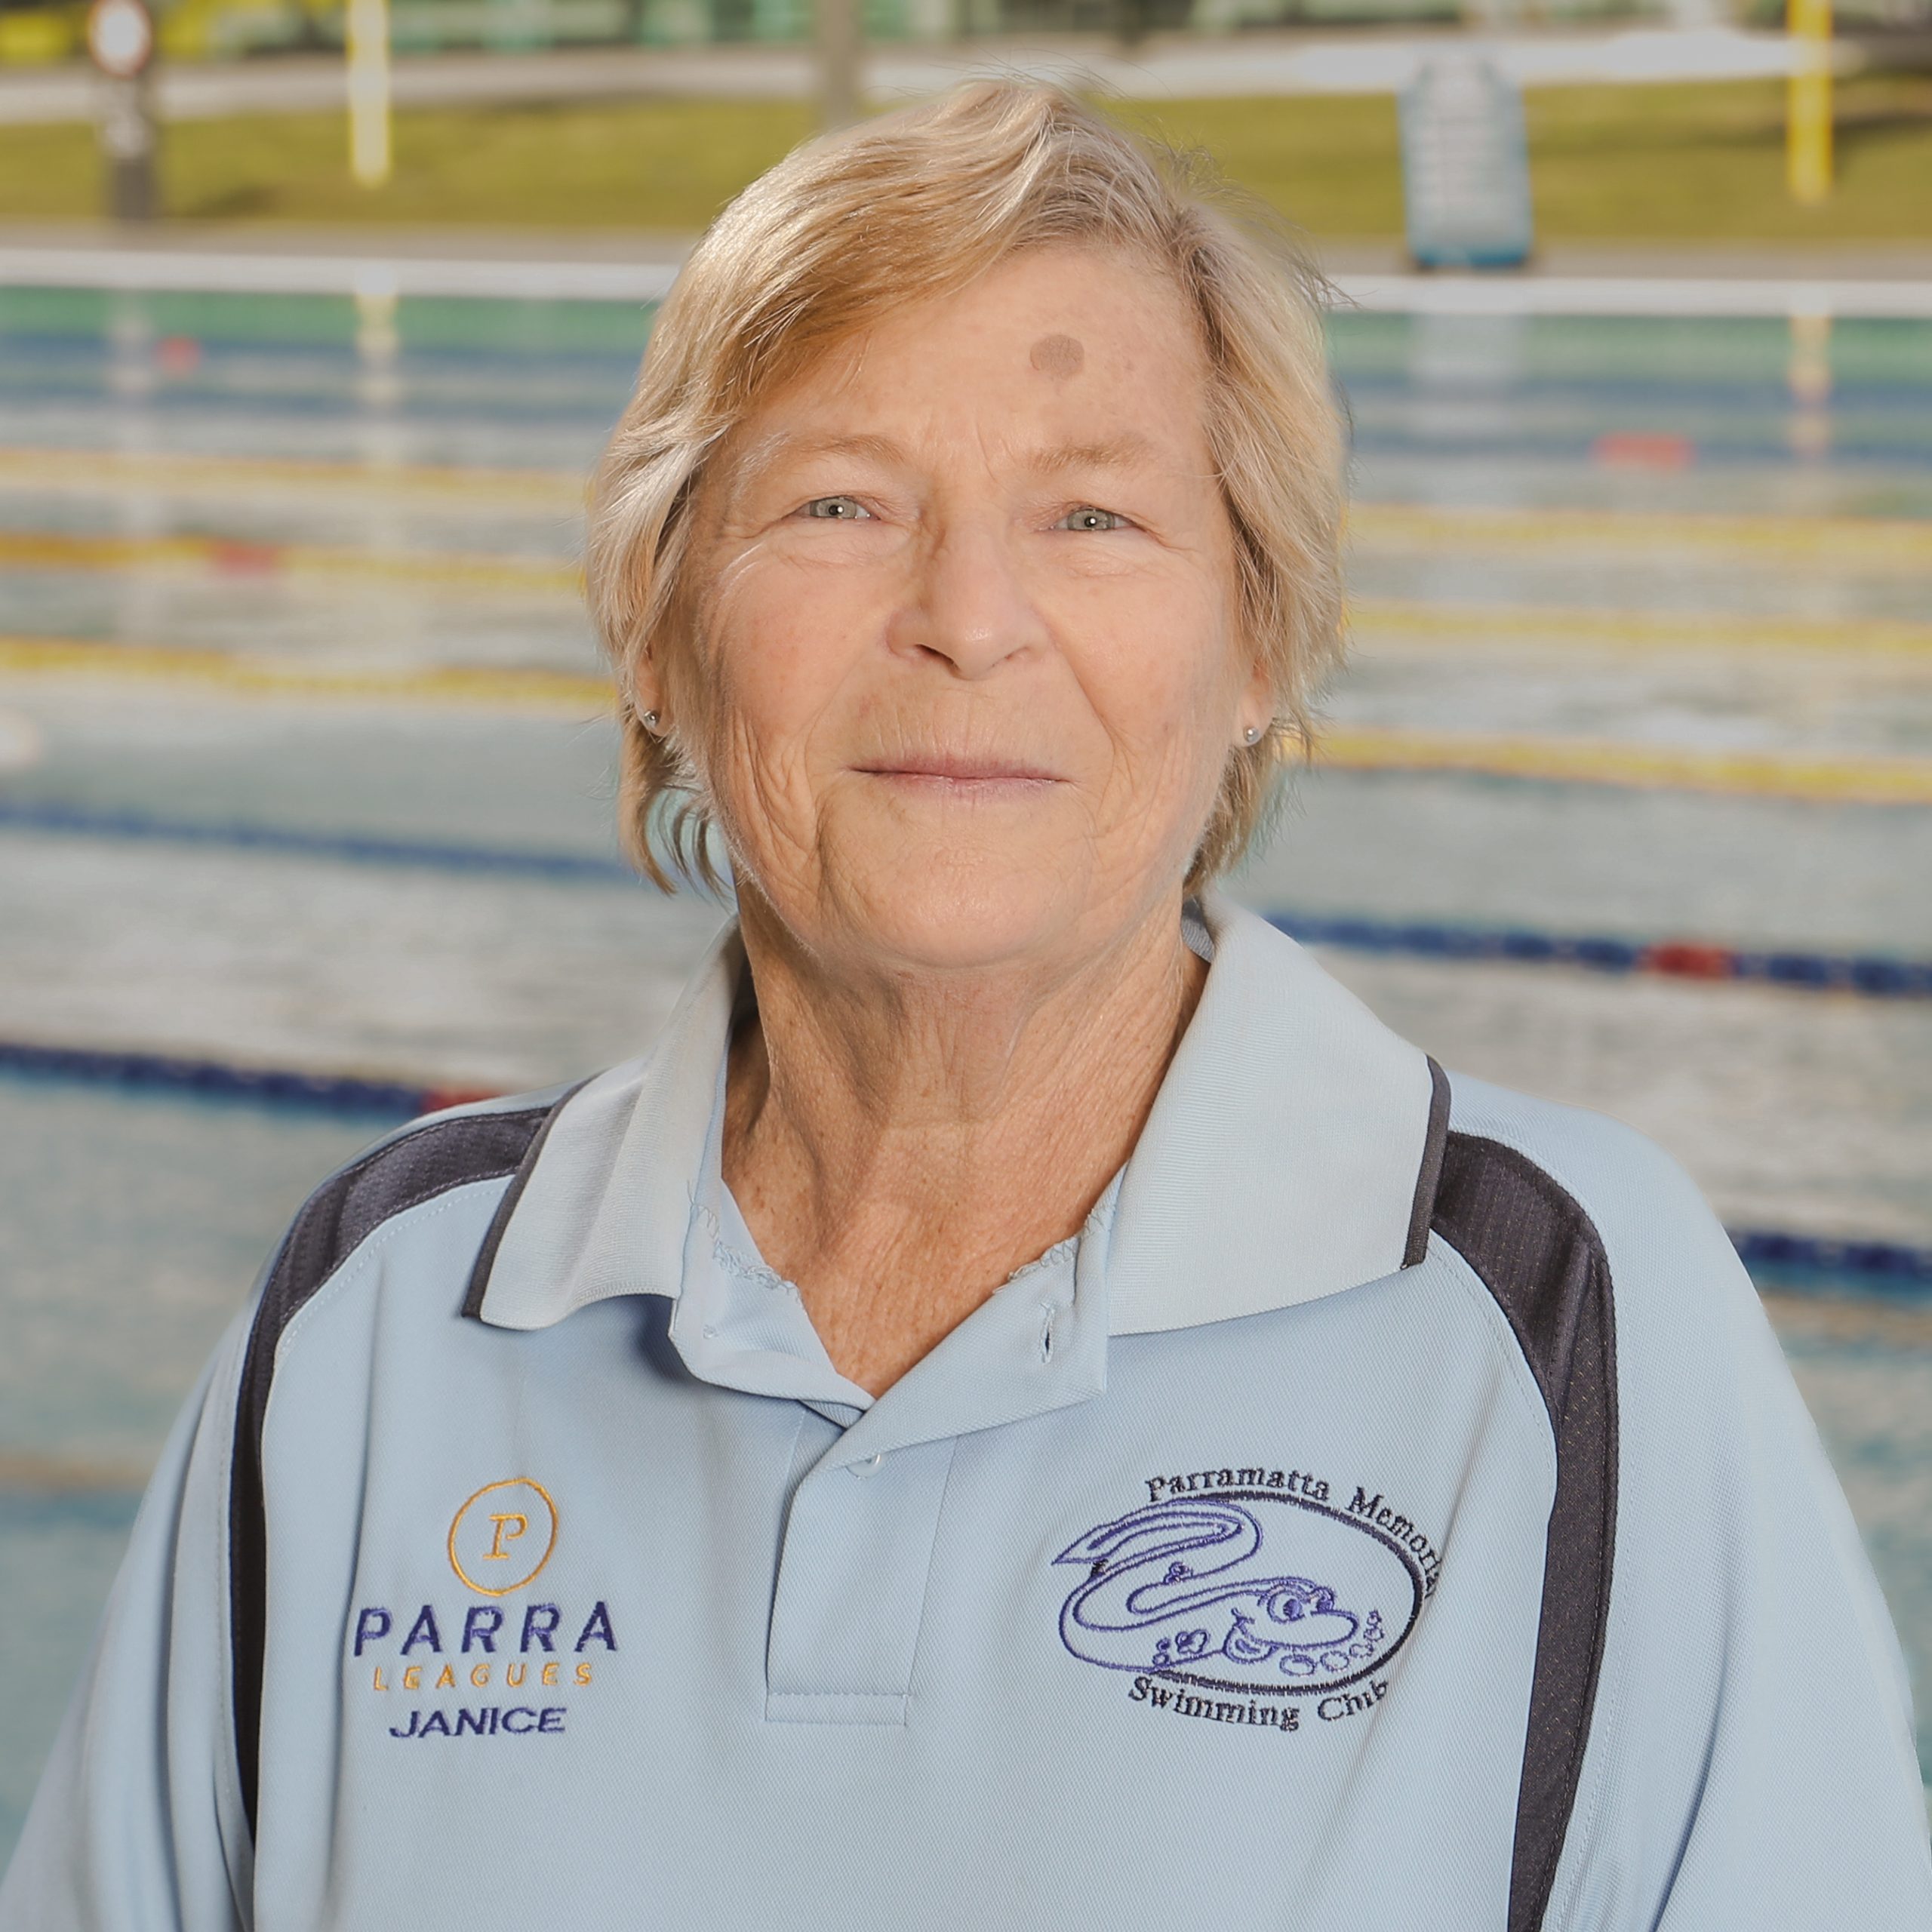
{"type": "Point", "coordinates": [1429, 1174]}
{"type": "Point", "coordinates": [493, 1239]}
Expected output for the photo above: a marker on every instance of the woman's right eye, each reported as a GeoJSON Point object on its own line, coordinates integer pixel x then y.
{"type": "Point", "coordinates": [836, 509]}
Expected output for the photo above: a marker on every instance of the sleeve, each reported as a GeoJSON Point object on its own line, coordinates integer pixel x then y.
{"type": "Point", "coordinates": [137, 1825]}
{"type": "Point", "coordinates": [1750, 1765]}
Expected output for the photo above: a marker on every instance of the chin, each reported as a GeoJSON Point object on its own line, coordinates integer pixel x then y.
{"type": "Point", "coordinates": [961, 910]}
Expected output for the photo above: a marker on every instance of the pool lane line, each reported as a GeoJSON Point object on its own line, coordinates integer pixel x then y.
{"type": "Point", "coordinates": [1870, 975]}
{"type": "Point", "coordinates": [510, 688]}
{"type": "Point", "coordinates": [1459, 626]}
{"type": "Point", "coordinates": [285, 1089]}
{"type": "Point", "coordinates": [1802, 776]}
{"type": "Point", "coordinates": [1789, 1257]}
{"type": "Point", "coordinates": [1549, 629]}
{"type": "Point", "coordinates": [1406, 622]}
{"type": "Point", "coordinates": [202, 473]}
{"type": "Point", "coordinates": [1805, 776]}
{"type": "Point", "coordinates": [1412, 622]}
{"type": "Point", "coordinates": [30, 1472]}
{"type": "Point", "coordinates": [240, 558]}
{"type": "Point", "coordinates": [356, 848]}
{"type": "Point", "coordinates": [1843, 544]}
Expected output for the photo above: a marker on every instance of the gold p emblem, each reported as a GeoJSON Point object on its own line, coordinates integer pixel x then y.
{"type": "Point", "coordinates": [503, 1536]}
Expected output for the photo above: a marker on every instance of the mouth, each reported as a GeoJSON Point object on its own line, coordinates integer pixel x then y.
{"type": "Point", "coordinates": [962, 773]}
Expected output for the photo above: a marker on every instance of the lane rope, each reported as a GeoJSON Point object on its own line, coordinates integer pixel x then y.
{"type": "Point", "coordinates": [1841, 543]}
{"type": "Point", "coordinates": [1382, 626]}
{"type": "Point", "coordinates": [1790, 1258]}
{"type": "Point", "coordinates": [1870, 976]}
{"type": "Point", "coordinates": [232, 557]}
{"type": "Point", "coordinates": [554, 576]}
{"type": "Point", "coordinates": [509, 687]}
{"type": "Point", "coordinates": [1858, 779]}
{"type": "Point", "coordinates": [1757, 539]}
{"type": "Point", "coordinates": [348, 1096]}
{"type": "Point", "coordinates": [357, 848]}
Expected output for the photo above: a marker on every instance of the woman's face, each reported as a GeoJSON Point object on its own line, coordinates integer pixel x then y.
{"type": "Point", "coordinates": [966, 663]}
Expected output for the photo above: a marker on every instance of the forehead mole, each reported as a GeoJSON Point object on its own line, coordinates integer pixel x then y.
{"type": "Point", "coordinates": [1058, 355]}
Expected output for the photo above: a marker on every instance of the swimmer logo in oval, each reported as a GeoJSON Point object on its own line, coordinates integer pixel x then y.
{"type": "Point", "coordinates": [1245, 1590]}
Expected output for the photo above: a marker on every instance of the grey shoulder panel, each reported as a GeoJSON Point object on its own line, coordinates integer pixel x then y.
{"type": "Point", "coordinates": [1538, 1254]}
{"type": "Point", "coordinates": [342, 1214]}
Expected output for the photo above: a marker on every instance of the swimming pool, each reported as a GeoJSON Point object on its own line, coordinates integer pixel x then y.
{"type": "Point", "coordinates": [305, 766]}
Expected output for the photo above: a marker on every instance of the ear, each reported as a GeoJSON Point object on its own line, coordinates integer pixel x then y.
{"type": "Point", "coordinates": [646, 686]}
{"type": "Point", "coordinates": [1256, 711]}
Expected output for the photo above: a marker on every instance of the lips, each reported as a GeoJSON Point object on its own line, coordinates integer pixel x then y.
{"type": "Point", "coordinates": [961, 768]}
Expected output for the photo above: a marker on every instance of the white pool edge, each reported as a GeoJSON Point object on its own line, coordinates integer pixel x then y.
{"type": "Point", "coordinates": [383, 278]}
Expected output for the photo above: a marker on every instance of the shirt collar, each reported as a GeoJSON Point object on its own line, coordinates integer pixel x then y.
{"type": "Point", "coordinates": [1291, 1153]}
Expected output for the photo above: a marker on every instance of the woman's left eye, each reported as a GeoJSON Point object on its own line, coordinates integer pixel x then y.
{"type": "Point", "coordinates": [836, 509]}
{"type": "Point", "coordinates": [1086, 517]}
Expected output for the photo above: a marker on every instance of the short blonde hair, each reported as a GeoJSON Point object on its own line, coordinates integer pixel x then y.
{"type": "Point", "coordinates": [915, 204]}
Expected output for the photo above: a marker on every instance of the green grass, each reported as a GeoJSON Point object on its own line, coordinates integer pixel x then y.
{"type": "Point", "coordinates": [1607, 164]}
{"type": "Point", "coordinates": [1659, 163]}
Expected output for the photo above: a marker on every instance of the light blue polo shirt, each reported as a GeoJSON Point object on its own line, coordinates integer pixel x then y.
{"type": "Point", "coordinates": [1391, 1511]}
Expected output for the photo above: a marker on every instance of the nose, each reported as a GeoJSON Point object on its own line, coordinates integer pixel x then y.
{"type": "Point", "coordinates": [969, 604]}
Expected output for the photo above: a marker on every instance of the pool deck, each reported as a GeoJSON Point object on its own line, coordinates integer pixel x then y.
{"type": "Point", "coordinates": [1864, 261]}
{"type": "Point", "coordinates": [1870, 281]}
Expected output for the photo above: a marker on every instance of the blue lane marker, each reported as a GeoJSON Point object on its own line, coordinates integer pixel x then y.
{"type": "Point", "coordinates": [358, 848]}
{"type": "Point", "coordinates": [1870, 976]}
{"type": "Point", "coordinates": [1789, 1259]}
{"type": "Point", "coordinates": [279, 1087]}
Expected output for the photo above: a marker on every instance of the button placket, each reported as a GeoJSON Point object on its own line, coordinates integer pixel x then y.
{"type": "Point", "coordinates": [851, 1590]}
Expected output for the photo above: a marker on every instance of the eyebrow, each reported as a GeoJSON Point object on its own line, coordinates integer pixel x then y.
{"type": "Point", "coordinates": [1127, 451]}
{"type": "Point", "coordinates": [782, 446]}
{"type": "Point", "coordinates": [1124, 451]}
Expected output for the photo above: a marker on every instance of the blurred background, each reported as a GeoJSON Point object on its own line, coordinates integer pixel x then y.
{"type": "Point", "coordinates": [311, 322]}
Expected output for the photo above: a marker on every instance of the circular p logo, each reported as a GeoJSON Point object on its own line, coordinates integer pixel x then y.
{"type": "Point", "coordinates": [503, 1536]}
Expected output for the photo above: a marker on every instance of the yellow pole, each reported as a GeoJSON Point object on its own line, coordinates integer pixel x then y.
{"type": "Point", "coordinates": [1808, 119]}
{"type": "Point", "coordinates": [369, 156]}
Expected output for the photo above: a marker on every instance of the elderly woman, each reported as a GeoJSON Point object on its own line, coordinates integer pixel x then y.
{"type": "Point", "coordinates": [1028, 1408]}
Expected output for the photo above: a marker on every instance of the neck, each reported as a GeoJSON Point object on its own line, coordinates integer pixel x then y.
{"type": "Point", "coordinates": [899, 1145]}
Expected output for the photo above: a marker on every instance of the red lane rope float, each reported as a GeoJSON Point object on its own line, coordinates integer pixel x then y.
{"type": "Point", "coordinates": [1870, 976]}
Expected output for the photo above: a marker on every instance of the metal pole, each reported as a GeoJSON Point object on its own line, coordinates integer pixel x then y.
{"type": "Point", "coordinates": [127, 139]}
{"type": "Point", "coordinates": [369, 158]}
{"type": "Point", "coordinates": [840, 55]}
{"type": "Point", "coordinates": [1808, 116]}
{"type": "Point", "coordinates": [121, 38]}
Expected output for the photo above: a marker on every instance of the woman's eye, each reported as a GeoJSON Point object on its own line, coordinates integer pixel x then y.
{"type": "Point", "coordinates": [836, 509]}
{"type": "Point", "coordinates": [1087, 518]}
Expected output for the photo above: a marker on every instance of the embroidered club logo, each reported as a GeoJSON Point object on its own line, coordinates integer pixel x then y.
{"type": "Point", "coordinates": [1249, 1590]}
{"type": "Point", "coordinates": [503, 1535]}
